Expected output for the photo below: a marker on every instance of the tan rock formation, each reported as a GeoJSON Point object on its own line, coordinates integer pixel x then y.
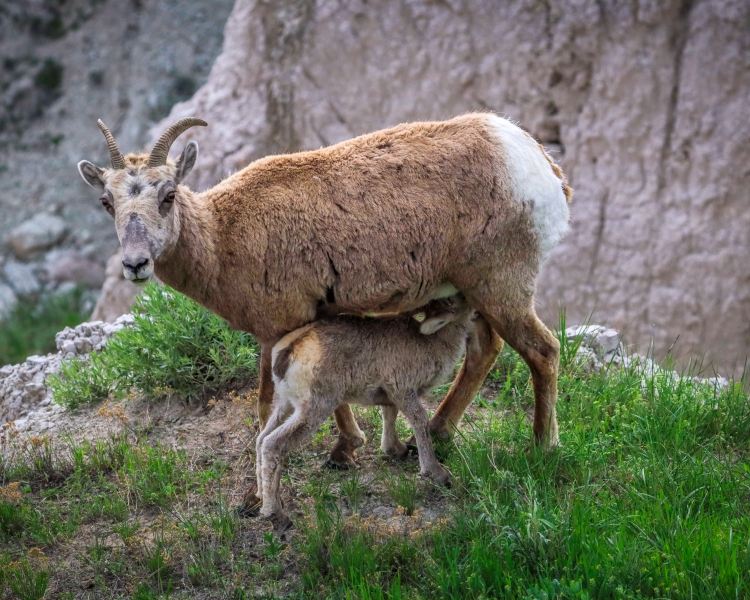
{"type": "Point", "coordinates": [118, 294]}
{"type": "Point", "coordinates": [647, 104]}
{"type": "Point", "coordinates": [65, 64]}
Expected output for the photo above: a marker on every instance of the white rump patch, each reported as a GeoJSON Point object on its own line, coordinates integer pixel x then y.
{"type": "Point", "coordinates": [534, 182]}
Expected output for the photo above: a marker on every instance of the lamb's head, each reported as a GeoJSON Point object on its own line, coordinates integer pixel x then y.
{"type": "Point", "coordinates": [436, 314]}
{"type": "Point", "coordinates": [142, 192]}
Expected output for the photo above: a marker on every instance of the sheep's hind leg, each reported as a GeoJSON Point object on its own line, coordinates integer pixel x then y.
{"type": "Point", "coordinates": [274, 450]}
{"type": "Point", "coordinates": [389, 442]}
{"type": "Point", "coordinates": [351, 437]}
{"type": "Point", "coordinates": [417, 415]}
{"type": "Point", "coordinates": [540, 350]}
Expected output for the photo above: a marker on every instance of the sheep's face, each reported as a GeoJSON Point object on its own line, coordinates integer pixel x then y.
{"type": "Point", "coordinates": [144, 202]}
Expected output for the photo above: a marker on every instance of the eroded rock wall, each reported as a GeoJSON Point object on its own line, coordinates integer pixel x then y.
{"type": "Point", "coordinates": [646, 104]}
{"type": "Point", "coordinates": [63, 65]}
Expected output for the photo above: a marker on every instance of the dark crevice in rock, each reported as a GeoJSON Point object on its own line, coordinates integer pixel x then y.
{"type": "Point", "coordinates": [599, 236]}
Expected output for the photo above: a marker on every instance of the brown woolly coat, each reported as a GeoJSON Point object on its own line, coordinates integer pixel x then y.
{"type": "Point", "coordinates": [376, 223]}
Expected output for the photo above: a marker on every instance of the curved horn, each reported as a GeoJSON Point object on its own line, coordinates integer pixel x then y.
{"type": "Point", "coordinates": [118, 162]}
{"type": "Point", "coordinates": [158, 155]}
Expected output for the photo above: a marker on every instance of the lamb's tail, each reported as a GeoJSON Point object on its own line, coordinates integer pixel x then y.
{"type": "Point", "coordinates": [567, 190]}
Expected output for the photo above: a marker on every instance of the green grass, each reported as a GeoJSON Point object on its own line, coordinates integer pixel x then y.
{"type": "Point", "coordinates": [176, 348]}
{"type": "Point", "coordinates": [31, 325]}
{"type": "Point", "coordinates": [646, 498]}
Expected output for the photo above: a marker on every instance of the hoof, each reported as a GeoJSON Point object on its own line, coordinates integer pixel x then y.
{"type": "Point", "coordinates": [335, 465]}
{"type": "Point", "coordinates": [440, 436]}
{"type": "Point", "coordinates": [280, 521]}
{"type": "Point", "coordinates": [399, 451]}
{"type": "Point", "coordinates": [549, 445]}
{"type": "Point", "coordinates": [251, 503]}
{"type": "Point", "coordinates": [441, 477]}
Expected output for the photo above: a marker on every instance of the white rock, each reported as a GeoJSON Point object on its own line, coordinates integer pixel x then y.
{"type": "Point", "coordinates": [83, 345]}
{"type": "Point", "coordinates": [68, 347]}
{"type": "Point", "coordinates": [608, 340]}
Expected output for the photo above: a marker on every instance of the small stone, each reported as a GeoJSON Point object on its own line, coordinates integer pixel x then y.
{"type": "Point", "coordinates": [382, 512]}
{"type": "Point", "coordinates": [37, 234]}
{"type": "Point", "coordinates": [21, 278]}
{"type": "Point", "coordinates": [83, 346]}
{"type": "Point", "coordinates": [68, 347]}
{"type": "Point", "coordinates": [608, 340]}
{"type": "Point", "coordinates": [75, 268]}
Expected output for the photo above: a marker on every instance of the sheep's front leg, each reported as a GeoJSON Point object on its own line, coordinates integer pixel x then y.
{"type": "Point", "coordinates": [351, 437]}
{"type": "Point", "coordinates": [417, 415]}
{"type": "Point", "coordinates": [389, 442]}
{"type": "Point", "coordinates": [266, 387]}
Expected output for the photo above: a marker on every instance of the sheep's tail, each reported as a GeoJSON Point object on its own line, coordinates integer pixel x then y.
{"type": "Point", "coordinates": [567, 190]}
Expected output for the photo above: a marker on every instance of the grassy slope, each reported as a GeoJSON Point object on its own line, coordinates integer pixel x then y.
{"type": "Point", "coordinates": [646, 498]}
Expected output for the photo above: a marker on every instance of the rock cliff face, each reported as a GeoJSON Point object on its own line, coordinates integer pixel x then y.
{"type": "Point", "coordinates": [63, 65]}
{"type": "Point", "coordinates": [647, 105]}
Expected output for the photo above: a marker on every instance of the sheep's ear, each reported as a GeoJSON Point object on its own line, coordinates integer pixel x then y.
{"type": "Point", "coordinates": [186, 162]}
{"type": "Point", "coordinates": [91, 174]}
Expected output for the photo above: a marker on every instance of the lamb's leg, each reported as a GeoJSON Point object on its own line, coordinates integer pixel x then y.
{"type": "Point", "coordinates": [274, 450]}
{"type": "Point", "coordinates": [351, 437]}
{"type": "Point", "coordinates": [482, 349]}
{"type": "Point", "coordinates": [417, 415]}
{"type": "Point", "coordinates": [251, 499]}
{"type": "Point", "coordinates": [389, 442]}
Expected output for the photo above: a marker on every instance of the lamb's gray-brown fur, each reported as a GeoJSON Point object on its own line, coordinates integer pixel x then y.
{"type": "Point", "coordinates": [388, 361]}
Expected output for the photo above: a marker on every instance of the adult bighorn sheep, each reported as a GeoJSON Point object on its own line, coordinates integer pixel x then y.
{"type": "Point", "coordinates": [389, 361]}
{"type": "Point", "coordinates": [384, 222]}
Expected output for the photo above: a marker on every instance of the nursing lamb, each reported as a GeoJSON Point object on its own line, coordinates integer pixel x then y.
{"type": "Point", "coordinates": [387, 361]}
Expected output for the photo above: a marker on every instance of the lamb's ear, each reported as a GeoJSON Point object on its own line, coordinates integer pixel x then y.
{"type": "Point", "coordinates": [186, 162]}
{"type": "Point", "coordinates": [91, 174]}
{"type": "Point", "coordinates": [433, 324]}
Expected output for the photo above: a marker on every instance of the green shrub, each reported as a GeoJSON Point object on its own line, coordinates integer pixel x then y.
{"type": "Point", "coordinates": [30, 327]}
{"type": "Point", "coordinates": [176, 347]}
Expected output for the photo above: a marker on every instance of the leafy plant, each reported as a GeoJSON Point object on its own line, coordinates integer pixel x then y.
{"type": "Point", "coordinates": [176, 347]}
{"type": "Point", "coordinates": [155, 475]}
{"type": "Point", "coordinates": [352, 489]}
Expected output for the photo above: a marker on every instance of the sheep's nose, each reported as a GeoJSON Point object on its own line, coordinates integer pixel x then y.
{"type": "Point", "coordinates": [133, 263]}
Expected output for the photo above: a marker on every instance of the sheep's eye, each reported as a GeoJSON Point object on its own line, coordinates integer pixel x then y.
{"type": "Point", "coordinates": [107, 205]}
{"type": "Point", "coordinates": [169, 197]}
